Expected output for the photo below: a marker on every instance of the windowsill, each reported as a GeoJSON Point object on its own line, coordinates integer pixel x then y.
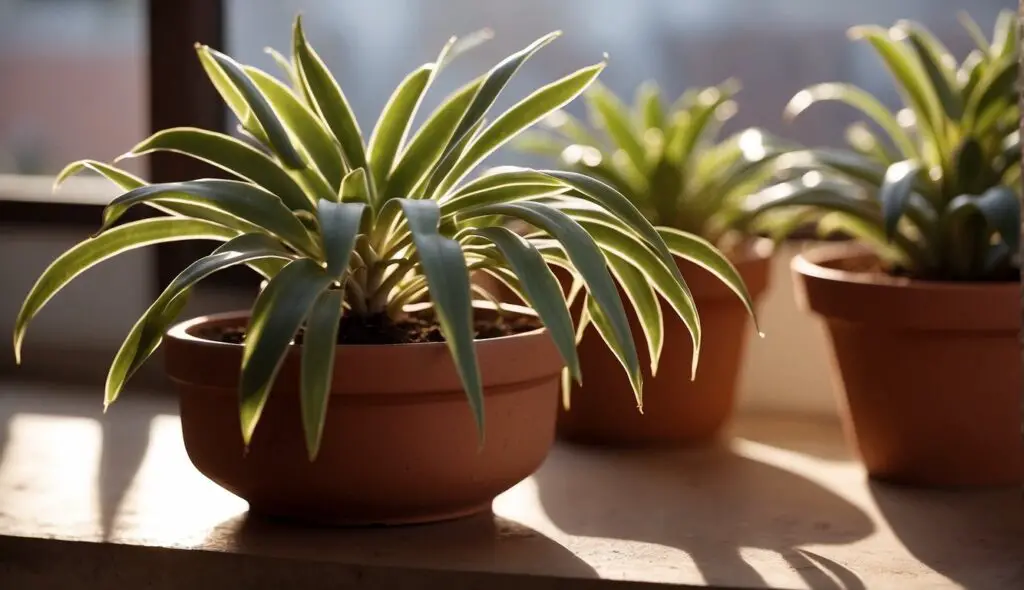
{"type": "Point", "coordinates": [78, 190]}
{"type": "Point", "coordinates": [784, 507]}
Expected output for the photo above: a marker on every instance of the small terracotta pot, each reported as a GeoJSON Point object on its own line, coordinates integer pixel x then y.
{"type": "Point", "coordinates": [930, 371]}
{"type": "Point", "coordinates": [677, 411]}
{"type": "Point", "coordinates": [399, 443]}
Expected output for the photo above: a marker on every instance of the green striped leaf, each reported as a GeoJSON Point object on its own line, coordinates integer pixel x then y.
{"type": "Point", "coordinates": [318, 353]}
{"type": "Point", "coordinates": [860, 100]}
{"type": "Point", "coordinates": [339, 225]}
{"type": "Point", "coordinates": [610, 114]}
{"type": "Point", "coordinates": [444, 266]}
{"type": "Point", "coordinates": [895, 191]}
{"type": "Point", "coordinates": [95, 250]}
{"type": "Point", "coordinates": [248, 99]}
{"type": "Point", "coordinates": [705, 255]}
{"type": "Point", "coordinates": [521, 116]}
{"type": "Point", "coordinates": [329, 100]}
{"type": "Point", "coordinates": [428, 144]}
{"type": "Point", "coordinates": [540, 290]}
{"type": "Point", "coordinates": [394, 122]}
{"type": "Point", "coordinates": [493, 83]}
{"type": "Point", "coordinates": [229, 154]}
{"type": "Point", "coordinates": [148, 332]}
{"type": "Point", "coordinates": [589, 262]}
{"type": "Point", "coordinates": [279, 311]}
{"type": "Point", "coordinates": [648, 311]}
{"type": "Point", "coordinates": [244, 201]}
{"type": "Point", "coordinates": [304, 125]}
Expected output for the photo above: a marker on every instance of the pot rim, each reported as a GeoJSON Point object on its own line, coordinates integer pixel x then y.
{"type": "Point", "coordinates": [814, 261]}
{"type": "Point", "coordinates": [899, 303]}
{"type": "Point", "coordinates": [182, 330]}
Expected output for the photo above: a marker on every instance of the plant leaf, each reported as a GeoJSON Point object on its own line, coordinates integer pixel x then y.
{"type": "Point", "coordinates": [589, 263]}
{"type": "Point", "coordinates": [276, 316]}
{"type": "Point", "coordinates": [597, 192]}
{"type": "Point", "coordinates": [94, 250]}
{"type": "Point", "coordinates": [860, 100]}
{"type": "Point", "coordinates": [148, 332]}
{"type": "Point", "coordinates": [521, 116]}
{"type": "Point", "coordinates": [910, 77]}
{"type": "Point", "coordinates": [938, 64]}
{"type": "Point", "coordinates": [244, 201]}
{"type": "Point", "coordinates": [610, 114]}
{"type": "Point", "coordinates": [540, 290]}
{"type": "Point", "coordinates": [329, 100]}
{"type": "Point", "coordinates": [644, 302]}
{"type": "Point", "coordinates": [249, 95]}
{"type": "Point", "coordinates": [493, 83]}
{"type": "Point", "coordinates": [1000, 208]}
{"type": "Point", "coordinates": [704, 254]}
{"type": "Point", "coordinates": [616, 239]}
{"type": "Point", "coordinates": [895, 192]}
{"type": "Point", "coordinates": [395, 120]}
{"type": "Point", "coordinates": [428, 144]}
{"type": "Point", "coordinates": [339, 224]}
{"type": "Point", "coordinates": [650, 111]}
{"type": "Point", "coordinates": [444, 266]}
{"type": "Point", "coordinates": [974, 31]}
{"type": "Point", "coordinates": [318, 349]}
{"type": "Point", "coordinates": [996, 84]}
{"type": "Point", "coordinates": [230, 154]}
{"type": "Point", "coordinates": [307, 129]}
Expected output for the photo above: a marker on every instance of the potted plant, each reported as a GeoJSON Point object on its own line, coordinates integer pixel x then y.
{"type": "Point", "coordinates": [340, 397]}
{"type": "Point", "coordinates": [672, 164]}
{"type": "Point", "coordinates": [922, 309]}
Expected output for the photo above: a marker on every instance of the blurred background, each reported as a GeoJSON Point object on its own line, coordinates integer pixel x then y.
{"type": "Point", "coordinates": [90, 78]}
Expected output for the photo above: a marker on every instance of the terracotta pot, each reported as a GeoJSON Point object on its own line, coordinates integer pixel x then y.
{"type": "Point", "coordinates": [931, 371]}
{"type": "Point", "coordinates": [677, 411]}
{"type": "Point", "coordinates": [399, 443]}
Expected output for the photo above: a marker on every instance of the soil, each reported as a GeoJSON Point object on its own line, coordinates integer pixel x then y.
{"type": "Point", "coordinates": [380, 329]}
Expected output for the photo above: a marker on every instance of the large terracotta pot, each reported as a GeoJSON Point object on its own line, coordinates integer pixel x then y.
{"type": "Point", "coordinates": [677, 411]}
{"type": "Point", "coordinates": [930, 371]}
{"type": "Point", "coordinates": [399, 443]}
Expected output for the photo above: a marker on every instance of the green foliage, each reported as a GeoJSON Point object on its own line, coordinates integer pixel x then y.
{"type": "Point", "coordinates": [670, 161]}
{"type": "Point", "coordinates": [937, 193]}
{"type": "Point", "coordinates": [338, 225]}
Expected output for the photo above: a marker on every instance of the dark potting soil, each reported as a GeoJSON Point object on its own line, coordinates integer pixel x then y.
{"type": "Point", "coordinates": [380, 329]}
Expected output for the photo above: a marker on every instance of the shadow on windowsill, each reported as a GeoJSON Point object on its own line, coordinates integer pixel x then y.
{"type": "Point", "coordinates": [710, 503]}
{"type": "Point", "coordinates": [482, 540]}
{"type": "Point", "coordinates": [921, 518]}
{"type": "Point", "coordinates": [124, 439]}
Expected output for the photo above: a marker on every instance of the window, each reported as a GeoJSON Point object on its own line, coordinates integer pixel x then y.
{"type": "Point", "coordinates": [773, 48]}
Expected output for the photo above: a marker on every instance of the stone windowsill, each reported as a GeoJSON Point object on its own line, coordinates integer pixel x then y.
{"type": "Point", "coordinates": [93, 501]}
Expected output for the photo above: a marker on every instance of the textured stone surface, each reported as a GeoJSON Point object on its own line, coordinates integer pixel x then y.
{"type": "Point", "coordinates": [93, 501]}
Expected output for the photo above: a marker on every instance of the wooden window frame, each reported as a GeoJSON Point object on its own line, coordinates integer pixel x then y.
{"type": "Point", "coordinates": [179, 95]}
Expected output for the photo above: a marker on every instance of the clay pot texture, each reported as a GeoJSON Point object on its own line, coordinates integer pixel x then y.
{"type": "Point", "coordinates": [399, 443]}
{"type": "Point", "coordinates": [677, 411]}
{"type": "Point", "coordinates": [929, 372]}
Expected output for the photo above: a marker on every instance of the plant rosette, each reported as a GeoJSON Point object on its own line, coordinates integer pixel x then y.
{"type": "Point", "coordinates": [923, 308]}
{"type": "Point", "coordinates": [341, 396]}
{"type": "Point", "coordinates": [671, 162]}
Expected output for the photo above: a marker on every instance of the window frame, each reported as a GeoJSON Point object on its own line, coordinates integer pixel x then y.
{"type": "Point", "coordinates": [179, 94]}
